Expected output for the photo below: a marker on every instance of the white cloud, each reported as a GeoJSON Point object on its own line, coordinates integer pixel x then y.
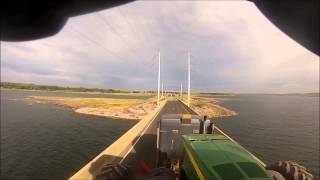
{"type": "Point", "coordinates": [234, 47]}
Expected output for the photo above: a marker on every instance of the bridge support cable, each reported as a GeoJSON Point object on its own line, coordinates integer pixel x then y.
{"type": "Point", "coordinates": [84, 36]}
{"type": "Point", "coordinates": [120, 37]}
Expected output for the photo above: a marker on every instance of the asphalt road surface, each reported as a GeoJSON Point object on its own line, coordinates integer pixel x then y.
{"type": "Point", "coordinates": [145, 147]}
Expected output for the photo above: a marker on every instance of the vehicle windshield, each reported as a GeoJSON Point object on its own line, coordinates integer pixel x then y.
{"type": "Point", "coordinates": [69, 97]}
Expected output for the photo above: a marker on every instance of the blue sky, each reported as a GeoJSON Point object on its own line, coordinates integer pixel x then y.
{"type": "Point", "coordinates": [234, 48]}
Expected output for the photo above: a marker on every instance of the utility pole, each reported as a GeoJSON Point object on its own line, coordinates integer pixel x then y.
{"type": "Point", "coordinates": [158, 102]}
{"type": "Point", "coordinates": [189, 74]}
{"type": "Point", "coordinates": [162, 89]}
{"type": "Point", "coordinates": [181, 90]}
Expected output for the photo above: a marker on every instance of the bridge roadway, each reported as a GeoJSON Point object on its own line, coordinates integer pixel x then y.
{"type": "Point", "coordinates": [145, 147]}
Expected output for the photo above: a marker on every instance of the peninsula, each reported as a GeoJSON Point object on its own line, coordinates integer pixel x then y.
{"type": "Point", "coordinates": [119, 108]}
{"type": "Point", "coordinates": [108, 107]}
{"type": "Point", "coordinates": [205, 106]}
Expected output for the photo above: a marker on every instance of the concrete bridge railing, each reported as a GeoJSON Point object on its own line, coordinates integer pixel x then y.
{"type": "Point", "coordinates": [117, 150]}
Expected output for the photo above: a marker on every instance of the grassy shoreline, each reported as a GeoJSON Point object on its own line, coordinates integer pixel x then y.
{"type": "Point", "coordinates": [205, 106]}
{"type": "Point", "coordinates": [134, 109]}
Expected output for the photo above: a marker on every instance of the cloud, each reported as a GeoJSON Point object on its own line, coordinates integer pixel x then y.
{"type": "Point", "coordinates": [234, 49]}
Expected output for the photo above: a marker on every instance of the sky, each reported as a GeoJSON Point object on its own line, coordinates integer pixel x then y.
{"type": "Point", "coordinates": [233, 48]}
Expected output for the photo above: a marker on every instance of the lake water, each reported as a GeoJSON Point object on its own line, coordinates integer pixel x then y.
{"type": "Point", "coordinates": [45, 141]}
{"type": "Point", "coordinates": [276, 127]}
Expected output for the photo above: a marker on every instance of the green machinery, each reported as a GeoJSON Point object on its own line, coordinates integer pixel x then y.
{"type": "Point", "coordinates": [215, 157]}
{"type": "Point", "coordinates": [186, 147]}
{"type": "Point", "coordinates": [190, 149]}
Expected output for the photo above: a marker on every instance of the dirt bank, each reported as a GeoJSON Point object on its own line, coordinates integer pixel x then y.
{"type": "Point", "coordinates": [205, 106]}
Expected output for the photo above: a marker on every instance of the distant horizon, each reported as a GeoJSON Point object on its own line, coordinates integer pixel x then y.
{"type": "Point", "coordinates": [131, 90]}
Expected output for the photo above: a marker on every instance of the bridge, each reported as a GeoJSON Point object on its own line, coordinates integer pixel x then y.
{"type": "Point", "coordinates": [145, 147]}
{"type": "Point", "coordinates": [139, 143]}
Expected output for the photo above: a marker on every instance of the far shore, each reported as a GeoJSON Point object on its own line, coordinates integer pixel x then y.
{"type": "Point", "coordinates": [141, 93]}
{"type": "Point", "coordinates": [78, 92]}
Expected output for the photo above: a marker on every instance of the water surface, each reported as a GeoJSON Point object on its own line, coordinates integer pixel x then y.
{"type": "Point", "coordinates": [276, 127]}
{"type": "Point", "coordinates": [45, 141]}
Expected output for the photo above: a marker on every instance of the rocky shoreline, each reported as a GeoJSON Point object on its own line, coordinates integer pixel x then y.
{"type": "Point", "coordinates": [206, 106]}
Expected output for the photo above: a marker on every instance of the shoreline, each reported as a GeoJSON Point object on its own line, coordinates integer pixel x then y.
{"type": "Point", "coordinates": [207, 106]}
{"type": "Point", "coordinates": [129, 109]}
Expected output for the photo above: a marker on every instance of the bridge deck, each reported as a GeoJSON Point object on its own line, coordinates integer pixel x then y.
{"type": "Point", "coordinates": [130, 148]}
{"type": "Point", "coordinates": [145, 147]}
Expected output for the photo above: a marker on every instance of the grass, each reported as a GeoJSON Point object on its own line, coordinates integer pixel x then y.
{"type": "Point", "coordinates": [195, 101]}
{"type": "Point", "coordinates": [99, 103]}
{"type": "Point", "coordinates": [108, 103]}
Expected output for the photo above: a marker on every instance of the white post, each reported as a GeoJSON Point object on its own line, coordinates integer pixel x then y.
{"type": "Point", "coordinates": [162, 89]}
{"type": "Point", "coordinates": [181, 91]}
{"type": "Point", "coordinates": [158, 102]}
{"type": "Point", "coordinates": [189, 79]}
